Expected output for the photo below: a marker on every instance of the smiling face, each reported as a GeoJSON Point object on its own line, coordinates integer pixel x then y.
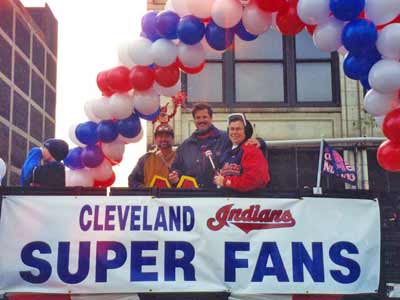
{"type": "Point", "coordinates": [202, 120]}
{"type": "Point", "coordinates": [163, 140]}
{"type": "Point", "coordinates": [236, 132]}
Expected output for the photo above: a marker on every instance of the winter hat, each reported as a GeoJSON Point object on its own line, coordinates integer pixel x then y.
{"type": "Point", "coordinates": [57, 148]}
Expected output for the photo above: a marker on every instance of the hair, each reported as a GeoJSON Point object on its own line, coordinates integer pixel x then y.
{"type": "Point", "coordinates": [202, 106]}
{"type": "Point", "coordinates": [248, 128]}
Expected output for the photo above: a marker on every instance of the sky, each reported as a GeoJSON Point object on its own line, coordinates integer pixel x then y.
{"type": "Point", "coordinates": [89, 36]}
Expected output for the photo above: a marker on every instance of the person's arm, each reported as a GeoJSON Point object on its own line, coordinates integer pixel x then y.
{"type": "Point", "coordinates": [254, 172]}
{"type": "Point", "coordinates": [136, 178]}
{"type": "Point", "coordinates": [176, 167]}
{"type": "Point", "coordinates": [31, 162]}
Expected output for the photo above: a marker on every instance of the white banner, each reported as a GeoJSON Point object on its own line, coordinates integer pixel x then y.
{"type": "Point", "coordinates": [94, 244]}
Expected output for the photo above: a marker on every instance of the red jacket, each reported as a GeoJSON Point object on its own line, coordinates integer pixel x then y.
{"type": "Point", "coordinates": [254, 171]}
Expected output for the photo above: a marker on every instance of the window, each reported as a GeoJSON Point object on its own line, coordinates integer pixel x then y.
{"type": "Point", "coordinates": [4, 134]}
{"type": "Point", "coordinates": [5, 95]}
{"type": "Point", "coordinates": [36, 124]}
{"type": "Point", "coordinates": [5, 57]}
{"type": "Point", "coordinates": [37, 88]}
{"type": "Point", "coordinates": [270, 71]}
{"type": "Point", "coordinates": [51, 70]}
{"type": "Point", "coordinates": [23, 36]}
{"type": "Point", "coordinates": [18, 153]}
{"type": "Point", "coordinates": [6, 17]}
{"type": "Point", "coordinates": [38, 54]}
{"type": "Point", "coordinates": [50, 102]}
{"type": "Point", "coordinates": [49, 129]}
{"type": "Point", "coordinates": [20, 112]}
{"type": "Point", "coordinates": [21, 73]}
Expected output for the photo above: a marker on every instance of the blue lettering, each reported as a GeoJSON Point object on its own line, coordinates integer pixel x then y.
{"type": "Point", "coordinates": [135, 217]}
{"type": "Point", "coordinates": [188, 218]}
{"type": "Point", "coordinates": [146, 226]}
{"type": "Point", "coordinates": [109, 218]}
{"type": "Point", "coordinates": [171, 262]}
{"type": "Point", "coordinates": [231, 262]}
{"type": "Point", "coordinates": [123, 216]}
{"type": "Point", "coordinates": [97, 226]}
{"type": "Point", "coordinates": [161, 220]}
{"type": "Point", "coordinates": [138, 260]}
{"type": "Point", "coordinates": [314, 264]}
{"type": "Point", "coordinates": [269, 249]}
{"type": "Point", "coordinates": [63, 262]}
{"type": "Point", "coordinates": [102, 261]}
{"type": "Point", "coordinates": [351, 265]}
{"type": "Point", "coordinates": [42, 265]}
{"type": "Point", "coordinates": [88, 210]}
{"type": "Point", "coordinates": [174, 218]}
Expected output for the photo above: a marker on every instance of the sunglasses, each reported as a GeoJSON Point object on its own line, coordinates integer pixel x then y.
{"type": "Point", "coordinates": [236, 117]}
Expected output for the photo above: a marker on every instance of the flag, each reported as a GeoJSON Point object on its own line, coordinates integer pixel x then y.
{"type": "Point", "coordinates": [333, 163]}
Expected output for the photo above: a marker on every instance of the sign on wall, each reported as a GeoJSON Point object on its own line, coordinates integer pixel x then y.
{"type": "Point", "coordinates": [127, 244]}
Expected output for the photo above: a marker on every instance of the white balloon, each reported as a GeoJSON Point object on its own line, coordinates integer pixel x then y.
{"type": "Point", "coordinates": [164, 52]}
{"type": "Point", "coordinates": [388, 42]}
{"type": "Point", "coordinates": [378, 104]}
{"type": "Point", "coordinates": [191, 56]}
{"type": "Point", "coordinates": [113, 151]}
{"type": "Point", "coordinates": [101, 108]}
{"type": "Point", "coordinates": [200, 9]}
{"type": "Point", "coordinates": [81, 177]}
{"type": "Point", "coordinates": [328, 36]}
{"type": "Point", "coordinates": [226, 13]}
{"type": "Point", "coordinates": [180, 7]}
{"type": "Point", "coordinates": [126, 140]}
{"type": "Point", "coordinates": [382, 11]}
{"type": "Point", "coordinates": [384, 76]}
{"type": "Point", "coordinates": [121, 106]}
{"type": "Point", "coordinates": [72, 135]}
{"type": "Point", "coordinates": [313, 11]}
{"type": "Point", "coordinates": [89, 111]}
{"type": "Point", "coordinates": [3, 169]}
{"type": "Point", "coordinates": [255, 20]}
{"type": "Point", "coordinates": [102, 172]}
{"type": "Point", "coordinates": [123, 55]}
{"type": "Point", "coordinates": [379, 120]}
{"type": "Point", "coordinates": [139, 52]}
{"type": "Point", "coordinates": [146, 102]}
{"type": "Point", "coordinates": [168, 91]}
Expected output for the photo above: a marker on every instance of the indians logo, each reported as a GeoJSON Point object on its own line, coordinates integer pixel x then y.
{"type": "Point", "coordinates": [252, 218]}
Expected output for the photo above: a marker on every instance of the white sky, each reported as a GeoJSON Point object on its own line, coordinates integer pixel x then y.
{"type": "Point", "coordinates": [89, 35]}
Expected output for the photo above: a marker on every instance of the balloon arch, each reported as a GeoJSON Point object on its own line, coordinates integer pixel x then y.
{"type": "Point", "coordinates": [176, 39]}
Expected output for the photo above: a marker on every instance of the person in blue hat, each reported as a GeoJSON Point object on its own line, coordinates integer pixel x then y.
{"type": "Point", "coordinates": [43, 166]}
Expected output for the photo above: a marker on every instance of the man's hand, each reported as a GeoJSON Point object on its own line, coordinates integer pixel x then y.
{"type": "Point", "coordinates": [219, 180]}
{"type": "Point", "coordinates": [253, 141]}
{"type": "Point", "coordinates": [173, 177]}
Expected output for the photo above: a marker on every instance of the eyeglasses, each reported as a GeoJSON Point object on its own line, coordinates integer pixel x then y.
{"type": "Point", "coordinates": [237, 117]}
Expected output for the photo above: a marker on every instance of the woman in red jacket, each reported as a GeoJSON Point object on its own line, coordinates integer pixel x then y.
{"type": "Point", "coordinates": [244, 167]}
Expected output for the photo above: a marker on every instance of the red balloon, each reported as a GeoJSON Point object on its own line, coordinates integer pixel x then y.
{"type": "Point", "coordinates": [194, 70]}
{"type": "Point", "coordinates": [391, 125]}
{"type": "Point", "coordinates": [105, 183]}
{"type": "Point", "coordinates": [288, 21]}
{"type": "Point", "coordinates": [141, 78]}
{"type": "Point", "coordinates": [102, 84]}
{"type": "Point", "coordinates": [311, 29]}
{"type": "Point", "coordinates": [118, 79]}
{"type": "Point", "coordinates": [272, 5]}
{"type": "Point", "coordinates": [167, 76]}
{"type": "Point", "coordinates": [388, 156]}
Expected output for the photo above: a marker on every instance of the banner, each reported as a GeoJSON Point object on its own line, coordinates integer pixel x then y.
{"type": "Point", "coordinates": [128, 244]}
{"type": "Point", "coordinates": [334, 164]}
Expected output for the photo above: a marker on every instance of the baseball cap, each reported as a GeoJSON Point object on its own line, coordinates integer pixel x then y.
{"type": "Point", "coordinates": [164, 128]}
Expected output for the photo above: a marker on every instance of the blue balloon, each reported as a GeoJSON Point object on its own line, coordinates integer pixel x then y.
{"type": "Point", "coordinates": [149, 26]}
{"type": "Point", "coordinates": [92, 156]}
{"type": "Point", "coordinates": [150, 117]}
{"type": "Point", "coordinates": [190, 30]}
{"type": "Point", "coordinates": [358, 67]}
{"type": "Point", "coordinates": [365, 83]}
{"type": "Point", "coordinates": [86, 133]}
{"type": "Point", "coordinates": [74, 159]}
{"type": "Point", "coordinates": [166, 24]}
{"type": "Point", "coordinates": [217, 37]}
{"type": "Point", "coordinates": [359, 36]}
{"type": "Point", "coordinates": [107, 131]}
{"type": "Point", "coordinates": [346, 10]}
{"type": "Point", "coordinates": [129, 127]}
{"type": "Point", "coordinates": [242, 33]}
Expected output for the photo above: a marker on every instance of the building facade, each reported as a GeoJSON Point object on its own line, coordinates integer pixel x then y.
{"type": "Point", "coordinates": [290, 91]}
{"type": "Point", "coordinates": [28, 67]}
